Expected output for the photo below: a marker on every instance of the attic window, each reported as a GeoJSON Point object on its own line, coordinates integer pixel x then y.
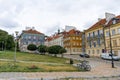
{"type": "Point", "coordinates": [114, 21]}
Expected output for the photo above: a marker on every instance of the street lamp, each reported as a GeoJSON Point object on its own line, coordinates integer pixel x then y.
{"type": "Point", "coordinates": [16, 33]}
{"type": "Point", "coordinates": [112, 62]}
{"type": "Point", "coordinates": [111, 49]}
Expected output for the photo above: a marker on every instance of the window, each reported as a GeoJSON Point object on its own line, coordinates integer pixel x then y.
{"type": "Point", "coordinates": [98, 42]}
{"type": "Point", "coordinates": [94, 43]}
{"type": "Point", "coordinates": [77, 38]}
{"type": "Point", "coordinates": [93, 51]}
{"type": "Point", "coordinates": [101, 31]}
{"type": "Point", "coordinates": [113, 32]}
{"type": "Point", "coordinates": [34, 37]}
{"type": "Point", "coordinates": [114, 43]}
{"type": "Point", "coordinates": [88, 51]}
{"type": "Point", "coordinates": [73, 50]}
{"type": "Point", "coordinates": [89, 34]}
{"type": "Point", "coordinates": [80, 44]}
{"type": "Point", "coordinates": [98, 51]}
{"type": "Point", "coordinates": [118, 30]}
{"type": "Point", "coordinates": [107, 33]}
{"type": "Point", "coordinates": [73, 38]}
{"type": "Point", "coordinates": [77, 44]}
{"type": "Point", "coordinates": [90, 44]}
{"type": "Point", "coordinates": [93, 34]}
{"type": "Point", "coordinates": [108, 43]}
{"type": "Point", "coordinates": [29, 37]}
{"type": "Point", "coordinates": [114, 21]}
{"type": "Point", "coordinates": [115, 53]}
{"type": "Point", "coordinates": [98, 32]}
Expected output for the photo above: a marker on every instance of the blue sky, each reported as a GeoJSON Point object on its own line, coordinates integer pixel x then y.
{"type": "Point", "coordinates": [49, 15]}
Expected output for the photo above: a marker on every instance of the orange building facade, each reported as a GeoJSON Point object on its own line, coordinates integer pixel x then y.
{"type": "Point", "coordinates": [72, 41]}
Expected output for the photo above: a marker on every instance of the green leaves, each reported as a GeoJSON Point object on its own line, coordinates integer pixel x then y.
{"type": "Point", "coordinates": [6, 40]}
{"type": "Point", "coordinates": [32, 47]}
{"type": "Point", "coordinates": [56, 49]}
{"type": "Point", "coordinates": [42, 48]}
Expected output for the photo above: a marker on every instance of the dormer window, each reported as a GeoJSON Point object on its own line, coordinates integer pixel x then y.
{"type": "Point", "coordinates": [114, 21]}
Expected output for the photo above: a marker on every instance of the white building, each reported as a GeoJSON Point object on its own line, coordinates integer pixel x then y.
{"type": "Point", "coordinates": [56, 39]}
{"type": "Point", "coordinates": [68, 28]}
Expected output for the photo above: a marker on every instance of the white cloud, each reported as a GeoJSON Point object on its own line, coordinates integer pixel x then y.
{"type": "Point", "coordinates": [49, 15]}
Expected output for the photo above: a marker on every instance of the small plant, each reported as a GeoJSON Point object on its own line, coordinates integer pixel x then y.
{"type": "Point", "coordinates": [33, 67]}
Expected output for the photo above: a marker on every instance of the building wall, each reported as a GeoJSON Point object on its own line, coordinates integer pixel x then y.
{"type": "Point", "coordinates": [55, 40]}
{"type": "Point", "coordinates": [83, 43]}
{"type": "Point", "coordinates": [115, 38]}
{"type": "Point", "coordinates": [94, 41]}
{"type": "Point", "coordinates": [27, 38]}
{"type": "Point", "coordinates": [73, 44]}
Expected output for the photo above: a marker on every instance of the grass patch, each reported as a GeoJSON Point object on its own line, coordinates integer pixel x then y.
{"type": "Point", "coordinates": [31, 57]}
{"type": "Point", "coordinates": [32, 67]}
{"type": "Point", "coordinates": [58, 64]}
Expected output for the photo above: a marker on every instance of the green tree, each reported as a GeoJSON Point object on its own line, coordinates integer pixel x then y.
{"type": "Point", "coordinates": [42, 49]}
{"type": "Point", "coordinates": [10, 44]}
{"type": "Point", "coordinates": [6, 40]}
{"type": "Point", "coordinates": [3, 38]}
{"type": "Point", "coordinates": [62, 50]}
{"type": "Point", "coordinates": [54, 49]}
{"type": "Point", "coordinates": [32, 47]}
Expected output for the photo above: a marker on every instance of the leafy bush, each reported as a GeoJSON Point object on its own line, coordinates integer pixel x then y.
{"type": "Point", "coordinates": [32, 47]}
{"type": "Point", "coordinates": [56, 49]}
{"type": "Point", "coordinates": [42, 49]}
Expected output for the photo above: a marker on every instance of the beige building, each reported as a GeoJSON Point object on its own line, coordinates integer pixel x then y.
{"type": "Point", "coordinates": [114, 27]}
{"type": "Point", "coordinates": [95, 39]}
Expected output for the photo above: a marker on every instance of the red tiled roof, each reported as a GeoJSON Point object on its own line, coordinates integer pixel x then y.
{"type": "Point", "coordinates": [73, 31]}
{"type": "Point", "coordinates": [31, 31]}
{"type": "Point", "coordinates": [48, 39]}
{"type": "Point", "coordinates": [101, 22]}
{"type": "Point", "coordinates": [53, 37]}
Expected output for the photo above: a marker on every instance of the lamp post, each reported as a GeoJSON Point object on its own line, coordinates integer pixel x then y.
{"type": "Point", "coordinates": [104, 38]}
{"type": "Point", "coordinates": [112, 62]}
{"type": "Point", "coordinates": [70, 46]}
{"type": "Point", "coordinates": [16, 33]}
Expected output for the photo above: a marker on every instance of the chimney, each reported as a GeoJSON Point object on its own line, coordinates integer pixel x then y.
{"type": "Point", "coordinates": [28, 28]}
{"type": "Point", "coordinates": [58, 31]}
{"type": "Point", "coordinates": [99, 19]}
{"type": "Point", "coordinates": [33, 28]}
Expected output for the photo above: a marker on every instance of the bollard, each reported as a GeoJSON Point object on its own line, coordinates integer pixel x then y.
{"type": "Point", "coordinates": [71, 61]}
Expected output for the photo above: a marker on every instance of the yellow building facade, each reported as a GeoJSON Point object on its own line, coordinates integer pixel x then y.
{"type": "Point", "coordinates": [115, 37]}
{"type": "Point", "coordinates": [95, 39]}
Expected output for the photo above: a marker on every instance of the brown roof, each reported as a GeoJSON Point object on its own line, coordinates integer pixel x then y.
{"type": "Point", "coordinates": [31, 31]}
{"type": "Point", "coordinates": [73, 31]}
{"type": "Point", "coordinates": [48, 39]}
{"type": "Point", "coordinates": [101, 22]}
{"type": "Point", "coordinates": [53, 37]}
